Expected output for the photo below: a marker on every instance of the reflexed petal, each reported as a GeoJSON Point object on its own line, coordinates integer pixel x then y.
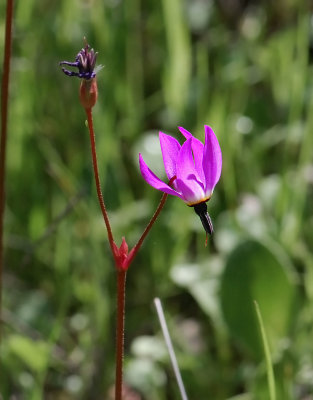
{"type": "Point", "coordinates": [153, 180]}
{"type": "Point", "coordinates": [170, 151]}
{"type": "Point", "coordinates": [212, 159]}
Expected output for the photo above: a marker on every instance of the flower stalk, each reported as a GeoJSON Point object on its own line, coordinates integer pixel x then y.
{"type": "Point", "coordinates": [120, 329]}
{"type": "Point", "coordinates": [97, 179]}
{"type": "Point", "coordinates": [122, 258]}
{"type": "Point", "coordinates": [85, 63]}
{"type": "Point", "coordinates": [4, 124]}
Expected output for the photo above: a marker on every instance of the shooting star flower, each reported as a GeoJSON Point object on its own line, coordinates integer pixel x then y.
{"type": "Point", "coordinates": [196, 167]}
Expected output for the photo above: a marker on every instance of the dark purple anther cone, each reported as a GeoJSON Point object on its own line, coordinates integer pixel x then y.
{"type": "Point", "coordinates": [202, 210]}
{"type": "Point", "coordinates": [85, 61]}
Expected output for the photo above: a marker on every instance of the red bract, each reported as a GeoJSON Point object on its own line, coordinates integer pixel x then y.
{"type": "Point", "coordinates": [121, 255]}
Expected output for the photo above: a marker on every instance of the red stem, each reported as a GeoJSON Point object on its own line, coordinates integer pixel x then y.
{"type": "Point", "coordinates": [4, 123]}
{"type": "Point", "coordinates": [97, 179]}
{"type": "Point", "coordinates": [122, 264]}
{"type": "Point", "coordinates": [120, 322]}
{"type": "Point", "coordinates": [137, 246]}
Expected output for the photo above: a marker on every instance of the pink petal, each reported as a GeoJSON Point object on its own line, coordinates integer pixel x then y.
{"type": "Point", "coordinates": [212, 159]}
{"type": "Point", "coordinates": [188, 180]}
{"type": "Point", "coordinates": [197, 148]}
{"type": "Point", "coordinates": [170, 150]}
{"type": "Point", "coordinates": [153, 180]}
{"type": "Point", "coordinates": [185, 165]}
{"type": "Point", "coordinates": [191, 190]}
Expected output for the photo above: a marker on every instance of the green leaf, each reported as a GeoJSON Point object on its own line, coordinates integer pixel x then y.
{"type": "Point", "coordinates": [256, 272]}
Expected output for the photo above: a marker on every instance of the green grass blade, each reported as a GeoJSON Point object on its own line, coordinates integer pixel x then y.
{"type": "Point", "coordinates": [267, 353]}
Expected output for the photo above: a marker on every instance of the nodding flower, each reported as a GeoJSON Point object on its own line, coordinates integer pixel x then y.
{"type": "Point", "coordinates": [85, 62]}
{"type": "Point", "coordinates": [195, 167]}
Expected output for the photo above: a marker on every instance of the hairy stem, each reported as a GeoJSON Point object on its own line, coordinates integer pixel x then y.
{"type": "Point", "coordinates": [4, 123]}
{"type": "Point", "coordinates": [121, 266]}
{"type": "Point", "coordinates": [137, 246]}
{"type": "Point", "coordinates": [97, 179]}
{"type": "Point", "coordinates": [120, 321]}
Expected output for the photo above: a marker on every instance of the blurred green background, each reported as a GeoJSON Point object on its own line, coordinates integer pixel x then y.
{"type": "Point", "coordinates": [243, 67]}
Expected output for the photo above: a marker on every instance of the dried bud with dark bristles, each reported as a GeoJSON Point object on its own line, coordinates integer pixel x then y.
{"type": "Point", "coordinates": [85, 62]}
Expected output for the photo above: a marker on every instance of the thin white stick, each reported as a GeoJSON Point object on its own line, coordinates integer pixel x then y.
{"type": "Point", "coordinates": [158, 306]}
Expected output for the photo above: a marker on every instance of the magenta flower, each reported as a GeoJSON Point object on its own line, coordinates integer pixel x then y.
{"type": "Point", "coordinates": [193, 168]}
